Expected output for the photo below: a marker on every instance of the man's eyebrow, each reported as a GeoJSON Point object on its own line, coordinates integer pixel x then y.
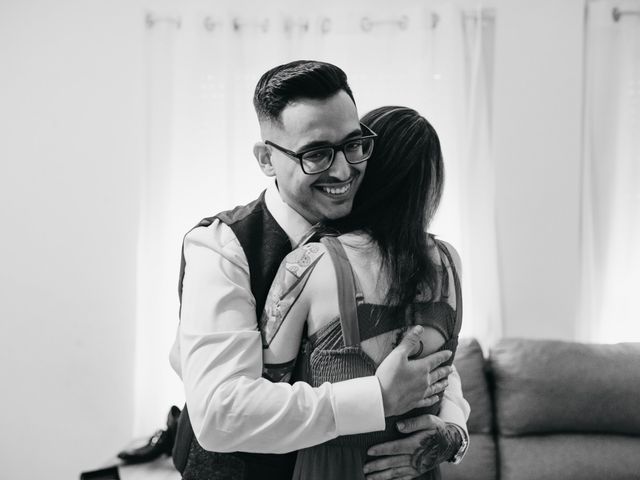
{"type": "Point", "coordinates": [321, 143]}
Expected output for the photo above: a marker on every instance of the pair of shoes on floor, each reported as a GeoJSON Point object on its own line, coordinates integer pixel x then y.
{"type": "Point", "coordinates": [160, 442]}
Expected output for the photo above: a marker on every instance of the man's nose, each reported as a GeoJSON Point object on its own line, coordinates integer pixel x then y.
{"type": "Point", "coordinates": [340, 168]}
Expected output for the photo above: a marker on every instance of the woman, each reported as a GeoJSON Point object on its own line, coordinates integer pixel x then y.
{"type": "Point", "coordinates": [348, 299]}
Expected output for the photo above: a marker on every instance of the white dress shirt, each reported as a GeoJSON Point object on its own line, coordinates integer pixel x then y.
{"type": "Point", "coordinates": [218, 354]}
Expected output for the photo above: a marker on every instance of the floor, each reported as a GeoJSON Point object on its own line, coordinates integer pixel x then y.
{"type": "Point", "coordinates": [160, 469]}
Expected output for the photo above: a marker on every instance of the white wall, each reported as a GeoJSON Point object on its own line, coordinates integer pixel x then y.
{"type": "Point", "coordinates": [71, 141]}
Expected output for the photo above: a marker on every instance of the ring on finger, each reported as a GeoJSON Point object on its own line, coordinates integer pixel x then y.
{"type": "Point", "coordinates": [417, 354]}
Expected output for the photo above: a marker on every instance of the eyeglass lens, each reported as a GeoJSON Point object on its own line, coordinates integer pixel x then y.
{"type": "Point", "coordinates": [356, 151]}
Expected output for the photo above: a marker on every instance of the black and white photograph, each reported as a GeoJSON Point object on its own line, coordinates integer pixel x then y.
{"type": "Point", "coordinates": [303, 240]}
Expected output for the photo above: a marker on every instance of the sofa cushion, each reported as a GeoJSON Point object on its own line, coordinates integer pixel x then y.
{"type": "Point", "coordinates": [570, 457]}
{"type": "Point", "coordinates": [547, 386]}
{"type": "Point", "coordinates": [470, 364]}
{"type": "Point", "coordinates": [479, 463]}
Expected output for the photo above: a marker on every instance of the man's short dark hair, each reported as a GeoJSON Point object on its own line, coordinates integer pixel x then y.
{"type": "Point", "coordinates": [295, 80]}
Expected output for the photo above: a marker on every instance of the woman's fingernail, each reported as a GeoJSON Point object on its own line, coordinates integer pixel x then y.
{"type": "Point", "coordinates": [372, 451]}
{"type": "Point", "coordinates": [401, 425]}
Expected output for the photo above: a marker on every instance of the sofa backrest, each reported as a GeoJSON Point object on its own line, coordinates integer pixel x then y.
{"type": "Point", "coordinates": [548, 386]}
{"type": "Point", "coordinates": [547, 409]}
{"type": "Point", "coordinates": [567, 410]}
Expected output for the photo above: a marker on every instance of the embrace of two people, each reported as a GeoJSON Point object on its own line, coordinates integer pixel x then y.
{"type": "Point", "coordinates": [318, 323]}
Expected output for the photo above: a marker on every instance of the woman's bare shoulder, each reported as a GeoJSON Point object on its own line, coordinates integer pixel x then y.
{"type": "Point", "coordinates": [457, 262]}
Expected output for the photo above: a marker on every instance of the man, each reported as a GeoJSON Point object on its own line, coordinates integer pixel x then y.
{"type": "Point", "coordinates": [229, 262]}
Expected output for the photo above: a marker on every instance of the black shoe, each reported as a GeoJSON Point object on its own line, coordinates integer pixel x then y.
{"type": "Point", "coordinates": [110, 473]}
{"type": "Point", "coordinates": [160, 442]}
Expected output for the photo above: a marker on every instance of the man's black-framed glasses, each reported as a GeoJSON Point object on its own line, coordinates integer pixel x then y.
{"type": "Point", "coordinates": [318, 159]}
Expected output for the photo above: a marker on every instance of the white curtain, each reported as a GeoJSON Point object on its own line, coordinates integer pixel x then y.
{"type": "Point", "coordinates": [203, 64]}
{"type": "Point", "coordinates": [611, 173]}
{"type": "Point", "coordinates": [467, 217]}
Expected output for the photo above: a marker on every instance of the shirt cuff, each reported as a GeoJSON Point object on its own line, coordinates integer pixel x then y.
{"type": "Point", "coordinates": [451, 413]}
{"type": "Point", "coordinates": [457, 458]}
{"type": "Point", "coordinates": [357, 405]}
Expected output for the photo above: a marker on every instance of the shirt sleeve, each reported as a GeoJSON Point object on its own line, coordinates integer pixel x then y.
{"type": "Point", "coordinates": [218, 354]}
{"type": "Point", "coordinates": [454, 408]}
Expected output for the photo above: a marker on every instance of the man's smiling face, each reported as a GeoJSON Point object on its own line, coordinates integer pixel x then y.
{"type": "Point", "coordinates": [309, 123]}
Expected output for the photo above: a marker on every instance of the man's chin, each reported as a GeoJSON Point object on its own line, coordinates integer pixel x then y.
{"type": "Point", "coordinates": [338, 211]}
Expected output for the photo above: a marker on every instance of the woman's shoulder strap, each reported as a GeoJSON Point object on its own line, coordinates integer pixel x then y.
{"type": "Point", "coordinates": [348, 293]}
{"type": "Point", "coordinates": [445, 248]}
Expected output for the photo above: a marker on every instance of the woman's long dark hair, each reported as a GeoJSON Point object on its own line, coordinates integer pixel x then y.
{"type": "Point", "coordinates": [398, 197]}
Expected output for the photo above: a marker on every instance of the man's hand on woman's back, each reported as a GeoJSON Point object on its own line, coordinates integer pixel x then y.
{"type": "Point", "coordinates": [407, 384]}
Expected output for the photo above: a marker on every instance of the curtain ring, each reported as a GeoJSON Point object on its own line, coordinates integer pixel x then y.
{"type": "Point", "coordinates": [210, 24]}
{"type": "Point", "coordinates": [325, 25]}
{"type": "Point", "coordinates": [615, 13]}
{"type": "Point", "coordinates": [288, 25]}
{"type": "Point", "coordinates": [366, 24]}
{"type": "Point", "coordinates": [435, 19]}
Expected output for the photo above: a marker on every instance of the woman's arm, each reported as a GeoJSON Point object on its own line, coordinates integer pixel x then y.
{"type": "Point", "coordinates": [286, 311]}
{"type": "Point", "coordinates": [432, 439]}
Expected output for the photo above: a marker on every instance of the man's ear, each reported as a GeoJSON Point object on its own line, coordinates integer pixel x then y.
{"type": "Point", "coordinates": [263, 155]}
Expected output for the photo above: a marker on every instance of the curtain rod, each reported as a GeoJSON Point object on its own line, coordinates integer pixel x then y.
{"type": "Point", "coordinates": [616, 13]}
{"type": "Point", "coordinates": [151, 20]}
{"type": "Point", "coordinates": [366, 23]}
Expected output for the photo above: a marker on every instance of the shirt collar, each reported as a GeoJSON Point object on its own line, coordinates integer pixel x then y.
{"type": "Point", "coordinates": [294, 224]}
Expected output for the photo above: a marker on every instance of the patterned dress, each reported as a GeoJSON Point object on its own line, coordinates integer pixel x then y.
{"type": "Point", "coordinates": [334, 353]}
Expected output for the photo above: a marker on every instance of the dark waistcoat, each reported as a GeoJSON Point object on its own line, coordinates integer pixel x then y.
{"type": "Point", "coordinates": [265, 245]}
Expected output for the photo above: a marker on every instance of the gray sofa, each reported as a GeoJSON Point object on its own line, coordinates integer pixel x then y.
{"type": "Point", "coordinates": [543, 409]}
{"type": "Point", "coordinates": [540, 410]}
